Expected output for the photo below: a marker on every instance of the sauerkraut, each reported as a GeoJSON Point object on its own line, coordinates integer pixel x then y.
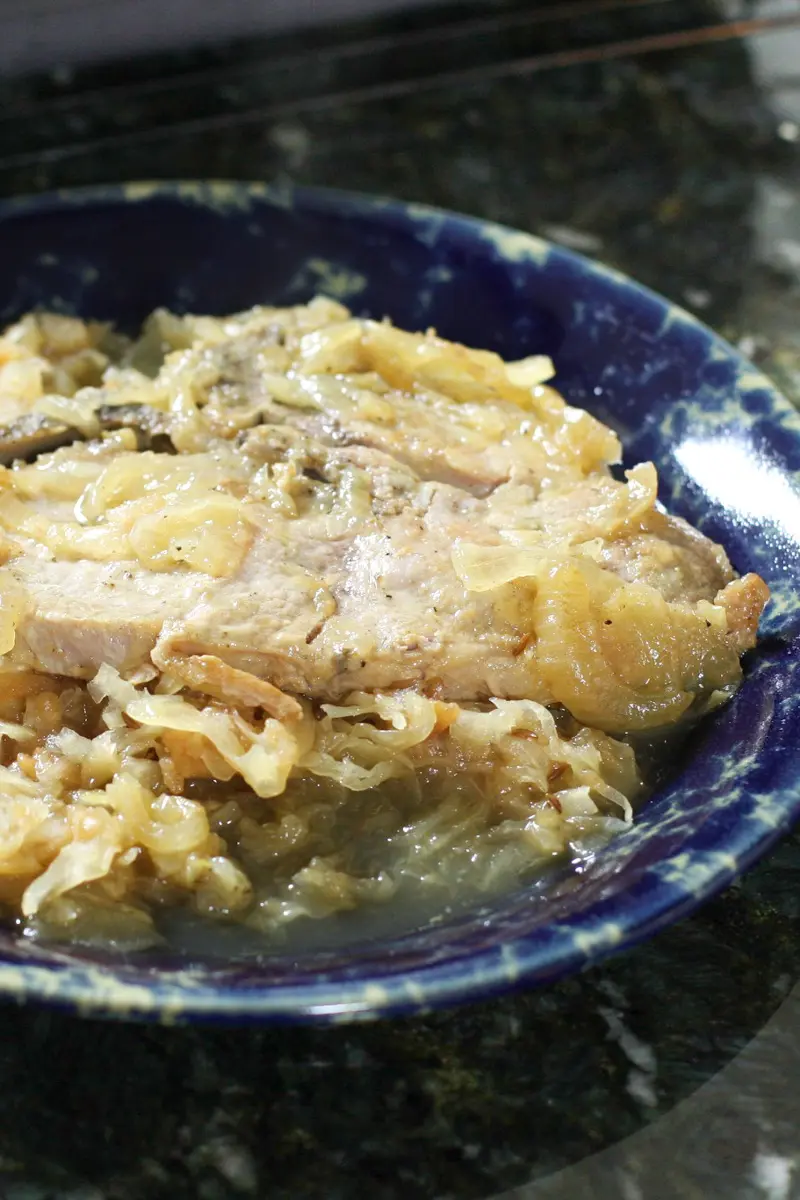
{"type": "Point", "coordinates": [448, 735]}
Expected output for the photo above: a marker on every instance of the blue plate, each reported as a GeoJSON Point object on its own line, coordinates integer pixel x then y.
{"type": "Point", "coordinates": [728, 450]}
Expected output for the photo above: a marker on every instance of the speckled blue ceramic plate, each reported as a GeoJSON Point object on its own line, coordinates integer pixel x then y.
{"type": "Point", "coordinates": [728, 450]}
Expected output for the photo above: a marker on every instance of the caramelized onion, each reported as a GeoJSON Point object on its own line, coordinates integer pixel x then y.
{"type": "Point", "coordinates": [619, 656]}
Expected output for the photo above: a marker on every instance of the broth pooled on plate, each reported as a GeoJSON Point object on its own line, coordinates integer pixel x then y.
{"type": "Point", "coordinates": [302, 612]}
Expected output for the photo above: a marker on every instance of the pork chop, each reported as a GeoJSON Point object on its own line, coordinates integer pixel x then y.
{"type": "Point", "coordinates": [330, 533]}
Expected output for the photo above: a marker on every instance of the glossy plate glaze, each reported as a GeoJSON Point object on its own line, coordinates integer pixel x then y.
{"type": "Point", "coordinates": [728, 450]}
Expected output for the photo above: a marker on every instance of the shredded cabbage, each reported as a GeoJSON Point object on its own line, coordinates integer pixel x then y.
{"type": "Point", "coordinates": [262, 758]}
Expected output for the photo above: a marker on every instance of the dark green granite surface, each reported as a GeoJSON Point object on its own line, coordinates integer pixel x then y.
{"type": "Point", "coordinates": [674, 1070]}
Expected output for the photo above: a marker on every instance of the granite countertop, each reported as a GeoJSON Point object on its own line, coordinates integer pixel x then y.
{"type": "Point", "coordinates": [671, 1071]}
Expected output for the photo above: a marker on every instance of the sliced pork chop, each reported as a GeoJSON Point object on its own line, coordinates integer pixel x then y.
{"type": "Point", "coordinates": [330, 532]}
{"type": "Point", "coordinates": [78, 615]}
{"type": "Point", "coordinates": [380, 607]}
{"type": "Point", "coordinates": [471, 444]}
{"type": "Point", "coordinates": [353, 595]}
{"type": "Point", "coordinates": [321, 603]}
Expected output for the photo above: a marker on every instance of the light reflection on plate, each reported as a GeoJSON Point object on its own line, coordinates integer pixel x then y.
{"type": "Point", "coordinates": [735, 473]}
